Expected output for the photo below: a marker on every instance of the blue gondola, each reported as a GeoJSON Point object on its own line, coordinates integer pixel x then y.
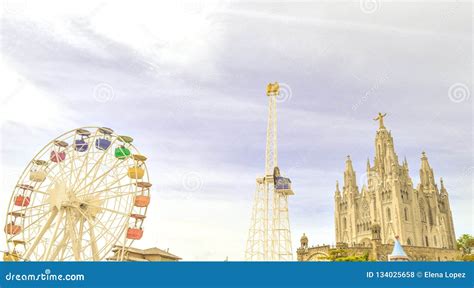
{"type": "Point", "coordinates": [102, 143]}
{"type": "Point", "coordinates": [81, 145]}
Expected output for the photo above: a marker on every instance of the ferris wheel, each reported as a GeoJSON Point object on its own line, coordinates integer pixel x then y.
{"type": "Point", "coordinates": [85, 193]}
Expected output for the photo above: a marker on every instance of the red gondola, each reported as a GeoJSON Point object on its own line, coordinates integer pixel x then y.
{"type": "Point", "coordinates": [13, 229]}
{"type": "Point", "coordinates": [134, 233]}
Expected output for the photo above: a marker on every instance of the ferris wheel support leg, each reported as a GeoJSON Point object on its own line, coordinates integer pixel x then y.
{"type": "Point", "coordinates": [41, 233]}
{"type": "Point", "coordinates": [71, 231]}
{"type": "Point", "coordinates": [60, 247]}
{"type": "Point", "coordinates": [95, 251]}
{"type": "Point", "coordinates": [81, 231]}
{"type": "Point", "coordinates": [55, 234]}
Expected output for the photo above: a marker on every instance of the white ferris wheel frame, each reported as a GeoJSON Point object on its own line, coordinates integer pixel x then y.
{"type": "Point", "coordinates": [95, 205]}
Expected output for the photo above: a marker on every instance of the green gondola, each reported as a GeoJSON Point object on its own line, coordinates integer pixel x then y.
{"type": "Point", "coordinates": [122, 152]}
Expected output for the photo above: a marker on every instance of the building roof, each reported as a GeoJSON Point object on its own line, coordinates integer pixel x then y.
{"type": "Point", "coordinates": [398, 253]}
{"type": "Point", "coordinates": [149, 251]}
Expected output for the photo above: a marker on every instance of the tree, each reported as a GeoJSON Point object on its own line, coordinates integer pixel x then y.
{"type": "Point", "coordinates": [341, 255]}
{"type": "Point", "coordinates": [466, 243]}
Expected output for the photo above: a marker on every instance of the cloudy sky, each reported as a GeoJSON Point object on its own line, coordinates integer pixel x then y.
{"type": "Point", "coordinates": [187, 81]}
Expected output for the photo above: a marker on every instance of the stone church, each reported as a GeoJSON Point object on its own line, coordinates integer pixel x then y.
{"type": "Point", "coordinates": [390, 205]}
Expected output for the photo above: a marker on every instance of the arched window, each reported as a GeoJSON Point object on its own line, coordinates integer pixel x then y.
{"type": "Point", "coordinates": [406, 213]}
{"type": "Point", "coordinates": [409, 241]}
{"type": "Point", "coordinates": [422, 212]}
{"type": "Point", "coordinates": [344, 223]}
{"type": "Point", "coordinates": [426, 240]}
{"type": "Point", "coordinates": [389, 215]}
{"type": "Point", "coordinates": [435, 242]}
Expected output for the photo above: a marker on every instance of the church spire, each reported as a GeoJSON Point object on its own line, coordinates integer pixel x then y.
{"type": "Point", "coordinates": [385, 157]}
{"type": "Point", "coordinates": [349, 174]}
{"type": "Point", "coordinates": [443, 189]}
{"type": "Point", "coordinates": [426, 173]}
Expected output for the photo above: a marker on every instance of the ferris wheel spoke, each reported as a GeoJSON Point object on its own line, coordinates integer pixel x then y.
{"type": "Point", "coordinates": [115, 238]}
{"type": "Point", "coordinates": [117, 196]}
{"type": "Point", "coordinates": [41, 233]}
{"type": "Point", "coordinates": [62, 167]}
{"type": "Point", "coordinates": [97, 178]}
{"type": "Point", "coordinates": [84, 164]}
{"type": "Point", "coordinates": [47, 182]}
{"type": "Point", "coordinates": [73, 160]}
{"type": "Point", "coordinates": [41, 212]}
{"type": "Point", "coordinates": [41, 192]}
{"type": "Point", "coordinates": [120, 170]}
{"type": "Point", "coordinates": [110, 189]}
{"type": "Point", "coordinates": [96, 166]}
{"type": "Point", "coordinates": [108, 209]}
{"type": "Point", "coordinates": [33, 207]}
{"type": "Point", "coordinates": [113, 183]}
{"type": "Point", "coordinates": [37, 220]}
{"type": "Point", "coordinates": [107, 230]}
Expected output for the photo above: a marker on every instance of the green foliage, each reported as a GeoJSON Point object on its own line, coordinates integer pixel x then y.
{"type": "Point", "coordinates": [466, 243]}
{"type": "Point", "coordinates": [340, 255]}
{"type": "Point", "coordinates": [337, 253]}
{"type": "Point", "coordinates": [469, 258]}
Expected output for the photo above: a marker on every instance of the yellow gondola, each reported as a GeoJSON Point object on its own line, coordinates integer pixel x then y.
{"type": "Point", "coordinates": [136, 172]}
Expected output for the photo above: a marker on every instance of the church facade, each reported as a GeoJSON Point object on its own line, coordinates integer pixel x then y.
{"type": "Point", "coordinates": [389, 205]}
